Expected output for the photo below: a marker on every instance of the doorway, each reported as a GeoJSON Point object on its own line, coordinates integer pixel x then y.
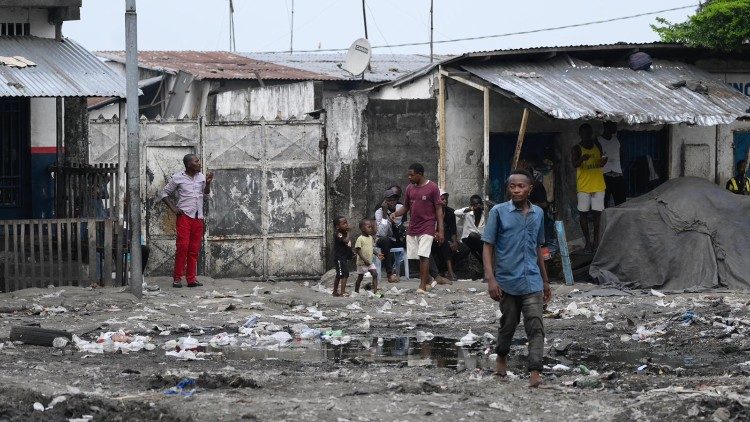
{"type": "Point", "coordinates": [741, 147]}
{"type": "Point", "coordinates": [536, 147]}
{"type": "Point", "coordinates": [644, 159]}
{"type": "Point", "coordinates": [15, 159]}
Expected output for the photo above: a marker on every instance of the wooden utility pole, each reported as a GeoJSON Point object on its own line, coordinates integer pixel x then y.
{"type": "Point", "coordinates": [364, 18]}
{"type": "Point", "coordinates": [431, 26]}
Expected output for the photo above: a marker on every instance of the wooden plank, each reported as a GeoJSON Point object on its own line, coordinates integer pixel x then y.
{"type": "Point", "coordinates": [107, 252]}
{"type": "Point", "coordinates": [119, 268]}
{"type": "Point", "coordinates": [564, 254]}
{"type": "Point", "coordinates": [93, 256]}
{"type": "Point", "coordinates": [486, 144]}
{"type": "Point", "coordinates": [32, 257]}
{"type": "Point", "coordinates": [22, 255]}
{"type": "Point", "coordinates": [68, 269]}
{"type": "Point", "coordinates": [40, 237]}
{"type": "Point", "coordinates": [78, 273]}
{"type": "Point", "coordinates": [521, 136]}
{"type": "Point", "coordinates": [6, 264]}
{"type": "Point", "coordinates": [441, 131]}
{"type": "Point", "coordinates": [45, 232]}
{"type": "Point", "coordinates": [16, 257]}
{"type": "Point", "coordinates": [60, 276]}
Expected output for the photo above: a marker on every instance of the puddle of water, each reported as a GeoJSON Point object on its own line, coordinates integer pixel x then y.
{"type": "Point", "coordinates": [441, 352]}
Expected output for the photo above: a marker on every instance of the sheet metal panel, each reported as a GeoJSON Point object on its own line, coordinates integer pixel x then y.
{"type": "Point", "coordinates": [574, 89]}
{"type": "Point", "coordinates": [63, 69]}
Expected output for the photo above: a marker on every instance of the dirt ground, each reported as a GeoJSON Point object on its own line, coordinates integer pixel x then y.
{"type": "Point", "coordinates": [305, 355]}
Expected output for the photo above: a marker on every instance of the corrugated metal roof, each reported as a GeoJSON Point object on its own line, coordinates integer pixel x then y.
{"type": "Point", "coordinates": [575, 89]}
{"type": "Point", "coordinates": [383, 67]}
{"type": "Point", "coordinates": [63, 69]}
{"type": "Point", "coordinates": [215, 65]}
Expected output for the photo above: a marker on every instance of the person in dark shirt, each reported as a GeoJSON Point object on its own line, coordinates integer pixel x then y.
{"type": "Point", "coordinates": [443, 254]}
{"type": "Point", "coordinates": [739, 184]}
{"type": "Point", "coordinates": [342, 253]}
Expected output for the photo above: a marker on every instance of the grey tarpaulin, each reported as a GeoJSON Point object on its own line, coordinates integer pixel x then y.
{"type": "Point", "coordinates": [686, 233]}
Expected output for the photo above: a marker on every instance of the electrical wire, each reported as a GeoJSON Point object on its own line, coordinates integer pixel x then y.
{"type": "Point", "coordinates": [507, 34]}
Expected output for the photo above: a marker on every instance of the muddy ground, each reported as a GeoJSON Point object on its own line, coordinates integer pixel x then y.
{"type": "Point", "coordinates": [610, 355]}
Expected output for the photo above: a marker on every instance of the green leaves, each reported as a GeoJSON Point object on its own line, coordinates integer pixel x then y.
{"type": "Point", "coordinates": [718, 24]}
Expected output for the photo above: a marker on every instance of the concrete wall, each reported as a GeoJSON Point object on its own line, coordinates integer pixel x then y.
{"type": "Point", "coordinates": [280, 102]}
{"type": "Point", "coordinates": [422, 88]}
{"type": "Point", "coordinates": [37, 19]}
{"type": "Point", "coordinates": [400, 132]}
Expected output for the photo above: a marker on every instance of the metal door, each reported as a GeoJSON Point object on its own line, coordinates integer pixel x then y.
{"type": "Point", "coordinates": [15, 159]}
{"type": "Point", "coordinates": [636, 148]}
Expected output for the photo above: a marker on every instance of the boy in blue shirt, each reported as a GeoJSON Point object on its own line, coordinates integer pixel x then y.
{"type": "Point", "coordinates": [515, 272]}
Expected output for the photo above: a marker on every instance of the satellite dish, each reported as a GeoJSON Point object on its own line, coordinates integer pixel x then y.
{"type": "Point", "coordinates": [358, 57]}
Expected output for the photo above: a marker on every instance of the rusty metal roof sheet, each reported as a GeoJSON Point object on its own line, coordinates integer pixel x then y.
{"type": "Point", "coordinates": [215, 65]}
{"type": "Point", "coordinates": [62, 69]}
{"type": "Point", "coordinates": [575, 89]}
{"type": "Point", "coordinates": [383, 67]}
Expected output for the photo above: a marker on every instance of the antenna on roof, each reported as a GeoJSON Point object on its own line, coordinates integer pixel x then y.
{"type": "Point", "coordinates": [232, 39]}
{"type": "Point", "coordinates": [358, 57]}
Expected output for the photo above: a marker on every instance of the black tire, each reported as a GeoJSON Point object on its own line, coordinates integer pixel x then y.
{"type": "Point", "coordinates": [37, 336]}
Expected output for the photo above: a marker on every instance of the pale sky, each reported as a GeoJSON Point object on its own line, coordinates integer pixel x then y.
{"type": "Point", "coordinates": [264, 25]}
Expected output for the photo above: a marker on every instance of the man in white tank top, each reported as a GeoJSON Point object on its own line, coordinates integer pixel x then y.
{"type": "Point", "coordinates": [613, 178]}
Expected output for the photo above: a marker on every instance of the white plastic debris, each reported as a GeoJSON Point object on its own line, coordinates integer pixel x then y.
{"type": "Point", "coordinates": [60, 342]}
{"type": "Point", "coordinates": [57, 400]}
{"type": "Point", "coordinates": [354, 306]}
{"type": "Point", "coordinates": [501, 406]}
{"type": "Point", "coordinates": [657, 293]}
{"type": "Point", "coordinates": [386, 306]}
{"type": "Point", "coordinates": [187, 343]}
{"type": "Point", "coordinates": [609, 326]}
{"type": "Point", "coordinates": [560, 367]}
{"type": "Point", "coordinates": [38, 406]}
{"type": "Point", "coordinates": [423, 303]}
{"type": "Point", "coordinates": [280, 338]}
{"type": "Point", "coordinates": [467, 340]}
{"type": "Point", "coordinates": [185, 355]}
{"type": "Point", "coordinates": [223, 339]}
{"type": "Point", "coordinates": [424, 336]}
{"type": "Point", "coordinates": [489, 336]}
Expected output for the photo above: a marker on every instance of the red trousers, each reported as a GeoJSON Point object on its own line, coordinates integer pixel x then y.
{"type": "Point", "coordinates": [189, 237]}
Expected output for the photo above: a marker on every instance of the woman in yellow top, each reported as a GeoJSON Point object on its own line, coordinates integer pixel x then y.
{"type": "Point", "coordinates": [589, 161]}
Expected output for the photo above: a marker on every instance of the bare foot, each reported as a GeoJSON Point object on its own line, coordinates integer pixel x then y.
{"type": "Point", "coordinates": [501, 366]}
{"type": "Point", "coordinates": [535, 379]}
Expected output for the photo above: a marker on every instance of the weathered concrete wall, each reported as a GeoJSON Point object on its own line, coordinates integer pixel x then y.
{"type": "Point", "coordinates": [346, 161]}
{"type": "Point", "coordinates": [422, 88]}
{"type": "Point", "coordinates": [280, 102]}
{"type": "Point", "coordinates": [692, 151]}
{"type": "Point", "coordinates": [400, 132]}
{"type": "Point", "coordinates": [76, 128]}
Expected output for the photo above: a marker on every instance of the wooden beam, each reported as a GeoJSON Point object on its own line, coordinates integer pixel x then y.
{"type": "Point", "coordinates": [462, 79]}
{"type": "Point", "coordinates": [486, 148]}
{"type": "Point", "coordinates": [521, 136]}
{"type": "Point", "coordinates": [441, 130]}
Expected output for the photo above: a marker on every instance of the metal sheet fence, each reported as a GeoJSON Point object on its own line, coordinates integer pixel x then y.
{"type": "Point", "coordinates": [61, 252]}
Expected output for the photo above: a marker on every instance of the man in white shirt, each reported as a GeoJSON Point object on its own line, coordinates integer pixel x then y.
{"type": "Point", "coordinates": [613, 178]}
{"type": "Point", "coordinates": [473, 226]}
{"type": "Point", "coordinates": [389, 234]}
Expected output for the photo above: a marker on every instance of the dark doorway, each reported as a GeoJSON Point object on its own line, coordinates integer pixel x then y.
{"type": "Point", "coordinates": [15, 158]}
{"type": "Point", "coordinates": [536, 146]}
{"type": "Point", "coordinates": [644, 159]}
{"type": "Point", "coordinates": [741, 147]}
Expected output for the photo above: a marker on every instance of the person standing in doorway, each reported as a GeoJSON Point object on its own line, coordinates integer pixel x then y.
{"type": "Point", "coordinates": [740, 183]}
{"type": "Point", "coordinates": [515, 272]}
{"type": "Point", "coordinates": [588, 160]}
{"type": "Point", "coordinates": [426, 220]}
{"type": "Point", "coordinates": [613, 179]}
{"type": "Point", "coordinates": [190, 186]}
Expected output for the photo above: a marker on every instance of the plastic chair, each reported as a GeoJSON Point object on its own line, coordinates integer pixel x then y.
{"type": "Point", "coordinates": [400, 257]}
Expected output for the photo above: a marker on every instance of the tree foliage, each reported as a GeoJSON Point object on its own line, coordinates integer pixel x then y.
{"type": "Point", "coordinates": [719, 24]}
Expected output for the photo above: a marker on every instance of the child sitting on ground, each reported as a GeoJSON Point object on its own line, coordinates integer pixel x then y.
{"type": "Point", "coordinates": [342, 253]}
{"type": "Point", "coordinates": [365, 250]}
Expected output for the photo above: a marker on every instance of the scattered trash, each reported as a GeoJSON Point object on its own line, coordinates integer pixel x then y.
{"type": "Point", "coordinates": [560, 367]}
{"type": "Point", "coordinates": [223, 339]}
{"type": "Point", "coordinates": [423, 336]}
{"type": "Point", "coordinates": [468, 339]}
{"type": "Point", "coordinates": [114, 342]}
{"type": "Point", "coordinates": [183, 388]}
{"type": "Point", "coordinates": [609, 326]}
{"type": "Point", "coordinates": [657, 293]}
{"type": "Point", "coordinates": [38, 407]}
{"type": "Point", "coordinates": [57, 400]}
{"type": "Point", "coordinates": [501, 406]}
{"type": "Point", "coordinates": [60, 342]}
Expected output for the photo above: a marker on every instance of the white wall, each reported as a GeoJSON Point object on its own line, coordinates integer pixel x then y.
{"type": "Point", "coordinates": [422, 88]}
{"type": "Point", "coordinates": [37, 18]}
{"type": "Point", "coordinates": [43, 122]}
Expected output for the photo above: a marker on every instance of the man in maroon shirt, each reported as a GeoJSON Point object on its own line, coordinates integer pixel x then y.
{"type": "Point", "coordinates": [426, 220]}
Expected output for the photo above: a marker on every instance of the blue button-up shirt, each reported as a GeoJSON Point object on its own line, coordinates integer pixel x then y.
{"type": "Point", "coordinates": [516, 238]}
